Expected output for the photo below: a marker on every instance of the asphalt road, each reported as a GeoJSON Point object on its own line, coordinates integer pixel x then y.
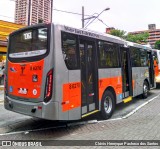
{"type": "Point", "coordinates": [11, 122]}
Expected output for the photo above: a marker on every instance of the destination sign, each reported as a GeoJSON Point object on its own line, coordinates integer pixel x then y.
{"type": "Point", "coordinates": [81, 32]}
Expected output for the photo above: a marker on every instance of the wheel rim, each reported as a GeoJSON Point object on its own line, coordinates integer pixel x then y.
{"type": "Point", "coordinates": [108, 104]}
{"type": "Point", "coordinates": [145, 89]}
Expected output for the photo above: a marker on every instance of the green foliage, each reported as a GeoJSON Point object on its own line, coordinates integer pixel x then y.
{"type": "Point", "coordinates": [157, 45]}
{"type": "Point", "coordinates": [137, 38]}
{"type": "Point", "coordinates": [119, 33]}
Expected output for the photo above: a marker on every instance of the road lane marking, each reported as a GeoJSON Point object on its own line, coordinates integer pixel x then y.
{"type": "Point", "coordinates": [41, 129]}
{"type": "Point", "coordinates": [82, 123]}
{"type": "Point", "coordinates": [139, 107]}
{"type": "Point", "coordinates": [28, 131]}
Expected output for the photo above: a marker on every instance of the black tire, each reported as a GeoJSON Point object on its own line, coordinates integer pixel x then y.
{"type": "Point", "coordinates": [145, 90]}
{"type": "Point", "coordinates": [107, 105]}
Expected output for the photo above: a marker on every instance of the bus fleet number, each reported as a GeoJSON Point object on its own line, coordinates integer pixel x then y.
{"type": "Point", "coordinates": [74, 85]}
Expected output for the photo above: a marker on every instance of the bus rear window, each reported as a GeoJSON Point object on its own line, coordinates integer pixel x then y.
{"type": "Point", "coordinates": [28, 43]}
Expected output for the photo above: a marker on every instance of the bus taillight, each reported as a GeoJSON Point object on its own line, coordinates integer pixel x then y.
{"type": "Point", "coordinates": [48, 87]}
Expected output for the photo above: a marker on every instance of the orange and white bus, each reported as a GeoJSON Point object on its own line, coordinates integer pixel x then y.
{"type": "Point", "coordinates": [57, 72]}
{"type": "Point", "coordinates": [156, 59]}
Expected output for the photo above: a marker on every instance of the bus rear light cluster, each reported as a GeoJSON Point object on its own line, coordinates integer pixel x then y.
{"type": "Point", "coordinates": [49, 86]}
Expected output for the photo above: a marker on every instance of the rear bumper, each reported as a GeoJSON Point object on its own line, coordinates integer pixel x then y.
{"type": "Point", "coordinates": [41, 110]}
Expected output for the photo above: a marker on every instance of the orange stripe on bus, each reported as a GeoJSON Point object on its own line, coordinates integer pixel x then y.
{"type": "Point", "coordinates": [133, 84]}
{"type": "Point", "coordinates": [72, 91]}
{"type": "Point", "coordinates": [156, 71]}
{"type": "Point", "coordinates": [115, 82]}
{"type": "Point", "coordinates": [71, 96]}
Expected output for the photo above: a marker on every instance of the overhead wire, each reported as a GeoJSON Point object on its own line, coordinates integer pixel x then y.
{"type": "Point", "coordinates": [70, 12]}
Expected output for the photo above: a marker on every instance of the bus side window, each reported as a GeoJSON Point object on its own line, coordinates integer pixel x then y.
{"type": "Point", "coordinates": [70, 58]}
{"type": "Point", "coordinates": [144, 58]}
{"type": "Point", "coordinates": [108, 55]}
{"type": "Point", "coordinates": [155, 58]}
{"type": "Point", "coordinates": [135, 57]}
{"type": "Point", "coordinates": [69, 50]}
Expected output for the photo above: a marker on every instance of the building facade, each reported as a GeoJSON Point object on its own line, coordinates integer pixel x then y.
{"type": "Point", "coordinates": [108, 30]}
{"type": "Point", "coordinates": [29, 12]}
{"type": "Point", "coordinates": [154, 34]}
{"type": "Point", "coordinates": [5, 29]}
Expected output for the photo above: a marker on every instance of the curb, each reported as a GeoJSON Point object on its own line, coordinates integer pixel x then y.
{"type": "Point", "coordinates": [132, 112]}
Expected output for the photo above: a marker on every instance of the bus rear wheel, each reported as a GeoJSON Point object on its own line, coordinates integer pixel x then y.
{"type": "Point", "coordinates": [145, 90]}
{"type": "Point", "coordinates": [107, 105]}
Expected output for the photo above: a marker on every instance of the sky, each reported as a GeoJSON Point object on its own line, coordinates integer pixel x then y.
{"type": "Point", "coordinates": [127, 15]}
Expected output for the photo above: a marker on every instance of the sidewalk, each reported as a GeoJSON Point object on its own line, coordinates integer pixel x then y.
{"type": "Point", "coordinates": [142, 125]}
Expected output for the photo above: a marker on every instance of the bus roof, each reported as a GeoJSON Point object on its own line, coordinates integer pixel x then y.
{"type": "Point", "coordinates": [102, 36]}
{"type": "Point", "coordinates": [90, 33]}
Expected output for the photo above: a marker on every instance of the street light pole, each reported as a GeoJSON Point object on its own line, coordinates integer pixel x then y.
{"type": "Point", "coordinates": [82, 16]}
{"type": "Point", "coordinates": [29, 9]}
{"type": "Point", "coordinates": [83, 19]}
{"type": "Point", "coordinates": [97, 16]}
{"type": "Point", "coordinates": [51, 10]}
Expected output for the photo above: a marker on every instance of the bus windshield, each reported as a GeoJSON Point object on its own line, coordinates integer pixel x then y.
{"type": "Point", "coordinates": [28, 43]}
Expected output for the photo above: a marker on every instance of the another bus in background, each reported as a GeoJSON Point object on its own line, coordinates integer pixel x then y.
{"type": "Point", "coordinates": [156, 59]}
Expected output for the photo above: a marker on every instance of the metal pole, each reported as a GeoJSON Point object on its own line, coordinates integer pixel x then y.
{"type": "Point", "coordinates": [97, 16]}
{"type": "Point", "coordinates": [51, 9]}
{"type": "Point", "coordinates": [29, 9]}
{"type": "Point", "coordinates": [82, 16]}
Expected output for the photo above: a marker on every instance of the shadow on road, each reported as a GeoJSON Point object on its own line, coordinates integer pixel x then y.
{"type": "Point", "coordinates": [121, 110]}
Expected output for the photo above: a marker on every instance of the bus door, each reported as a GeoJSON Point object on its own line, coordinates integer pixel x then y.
{"type": "Point", "coordinates": [88, 77]}
{"type": "Point", "coordinates": [126, 73]}
{"type": "Point", "coordinates": [151, 69]}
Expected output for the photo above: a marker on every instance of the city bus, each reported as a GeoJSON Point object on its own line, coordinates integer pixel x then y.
{"type": "Point", "coordinates": [156, 59]}
{"type": "Point", "coordinates": [57, 72]}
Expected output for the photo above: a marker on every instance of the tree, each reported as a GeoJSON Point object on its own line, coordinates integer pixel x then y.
{"type": "Point", "coordinates": [137, 38]}
{"type": "Point", "coordinates": [157, 45]}
{"type": "Point", "coordinates": [118, 33]}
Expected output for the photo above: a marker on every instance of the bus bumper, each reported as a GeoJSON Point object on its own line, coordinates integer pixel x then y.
{"type": "Point", "coordinates": [41, 110]}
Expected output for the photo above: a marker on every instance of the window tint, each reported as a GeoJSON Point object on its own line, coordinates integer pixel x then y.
{"type": "Point", "coordinates": [69, 50]}
{"type": "Point", "coordinates": [28, 43]}
{"type": "Point", "coordinates": [108, 54]}
{"type": "Point", "coordinates": [155, 57]}
{"type": "Point", "coordinates": [144, 58]}
{"type": "Point", "coordinates": [135, 57]}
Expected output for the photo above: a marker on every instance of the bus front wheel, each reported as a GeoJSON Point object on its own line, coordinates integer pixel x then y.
{"type": "Point", "coordinates": [145, 90]}
{"type": "Point", "coordinates": [107, 105]}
